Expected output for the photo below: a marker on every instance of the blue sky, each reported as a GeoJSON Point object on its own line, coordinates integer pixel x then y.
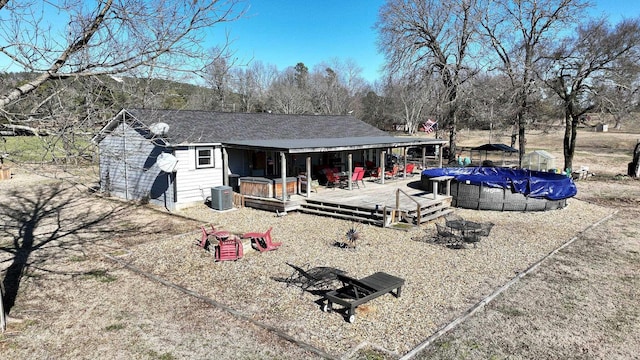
{"type": "Point", "coordinates": [285, 32]}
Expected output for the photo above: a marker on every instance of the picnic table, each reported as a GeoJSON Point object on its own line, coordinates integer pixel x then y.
{"type": "Point", "coordinates": [355, 292]}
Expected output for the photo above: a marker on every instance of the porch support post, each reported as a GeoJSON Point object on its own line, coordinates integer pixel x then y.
{"type": "Point", "coordinates": [225, 167]}
{"type": "Point", "coordinates": [283, 174]}
{"type": "Point", "coordinates": [349, 171]}
{"type": "Point", "coordinates": [308, 165]}
{"type": "Point", "coordinates": [440, 156]}
{"type": "Point", "coordinates": [383, 159]}
{"type": "Point", "coordinates": [424, 156]}
{"type": "Point", "coordinates": [404, 160]}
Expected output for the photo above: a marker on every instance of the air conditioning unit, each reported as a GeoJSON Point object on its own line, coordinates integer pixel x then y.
{"type": "Point", "coordinates": [222, 197]}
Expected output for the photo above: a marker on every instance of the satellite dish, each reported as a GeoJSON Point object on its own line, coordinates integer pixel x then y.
{"type": "Point", "coordinates": [159, 129]}
{"type": "Point", "coordinates": [167, 162]}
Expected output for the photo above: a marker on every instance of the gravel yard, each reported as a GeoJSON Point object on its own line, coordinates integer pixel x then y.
{"type": "Point", "coordinates": [131, 283]}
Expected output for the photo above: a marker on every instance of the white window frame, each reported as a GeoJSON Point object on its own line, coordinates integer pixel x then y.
{"type": "Point", "coordinates": [212, 162]}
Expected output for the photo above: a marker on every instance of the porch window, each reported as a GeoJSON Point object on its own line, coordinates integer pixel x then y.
{"type": "Point", "coordinates": [204, 157]}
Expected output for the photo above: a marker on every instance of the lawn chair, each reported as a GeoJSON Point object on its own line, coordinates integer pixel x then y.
{"type": "Point", "coordinates": [333, 180]}
{"type": "Point", "coordinates": [356, 175]}
{"type": "Point", "coordinates": [408, 170]}
{"type": "Point", "coordinates": [375, 173]}
{"type": "Point", "coordinates": [320, 278]}
{"type": "Point", "coordinates": [229, 248]}
{"type": "Point", "coordinates": [445, 236]}
{"type": "Point", "coordinates": [205, 242]}
{"type": "Point", "coordinates": [262, 241]}
{"type": "Point", "coordinates": [393, 173]}
{"type": "Point", "coordinates": [356, 292]}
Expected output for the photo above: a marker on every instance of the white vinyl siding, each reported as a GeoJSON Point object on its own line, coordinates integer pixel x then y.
{"type": "Point", "coordinates": [193, 184]}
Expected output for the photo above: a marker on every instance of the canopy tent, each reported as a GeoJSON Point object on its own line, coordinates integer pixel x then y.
{"type": "Point", "coordinates": [503, 148]}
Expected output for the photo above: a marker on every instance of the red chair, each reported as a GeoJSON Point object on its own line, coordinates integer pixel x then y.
{"type": "Point", "coordinates": [393, 173]}
{"type": "Point", "coordinates": [229, 248]}
{"type": "Point", "coordinates": [409, 169]}
{"type": "Point", "coordinates": [204, 240]}
{"type": "Point", "coordinates": [376, 173]}
{"type": "Point", "coordinates": [332, 178]}
{"type": "Point", "coordinates": [358, 176]}
{"type": "Point", "coordinates": [262, 241]}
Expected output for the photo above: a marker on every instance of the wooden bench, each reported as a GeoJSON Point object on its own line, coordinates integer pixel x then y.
{"type": "Point", "coordinates": [436, 180]}
{"type": "Point", "coordinates": [356, 292]}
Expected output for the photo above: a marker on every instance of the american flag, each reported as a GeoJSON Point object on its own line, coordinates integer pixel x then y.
{"type": "Point", "coordinates": [429, 126]}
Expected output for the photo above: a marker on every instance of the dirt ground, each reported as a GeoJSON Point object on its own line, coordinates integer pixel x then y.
{"type": "Point", "coordinates": [580, 303]}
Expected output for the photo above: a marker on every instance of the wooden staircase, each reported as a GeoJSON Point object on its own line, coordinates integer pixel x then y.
{"type": "Point", "coordinates": [407, 209]}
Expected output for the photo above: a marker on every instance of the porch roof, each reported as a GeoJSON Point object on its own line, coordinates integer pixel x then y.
{"type": "Point", "coordinates": [296, 146]}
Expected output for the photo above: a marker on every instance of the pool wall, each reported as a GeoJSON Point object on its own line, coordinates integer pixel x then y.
{"type": "Point", "coordinates": [480, 196]}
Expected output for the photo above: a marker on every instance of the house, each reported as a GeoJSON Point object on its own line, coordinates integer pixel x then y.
{"type": "Point", "coordinates": [174, 158]}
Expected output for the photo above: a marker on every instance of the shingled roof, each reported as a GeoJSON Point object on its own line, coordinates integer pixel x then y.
{"type": "Point", "coordinates": [292, 133]}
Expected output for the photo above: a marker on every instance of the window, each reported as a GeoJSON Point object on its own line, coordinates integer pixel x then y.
{"type": "Point", "coordinates": [204, 158]}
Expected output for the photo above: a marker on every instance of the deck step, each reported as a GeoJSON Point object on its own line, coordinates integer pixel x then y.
{"type": "Point", "coordinates": [341, 216]}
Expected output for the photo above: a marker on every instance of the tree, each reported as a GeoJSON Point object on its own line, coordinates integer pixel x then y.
{"type": "Point", "coordinates": [596, 51]}
{"type": "Point", "coordinates": [433, 37]}
{"type": "Point", "coordinates": [108, 37]}
{"type": "Point", "coordinates": [103, 37]}
{"type": "Point", "coordinates": [517, 32]}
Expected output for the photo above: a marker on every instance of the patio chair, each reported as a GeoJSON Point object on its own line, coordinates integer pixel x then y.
{"type": "Point", "coordinates": [320, 278]}
{"type": "Point", "coordinates": [393, 173]}
{"type": "Point", "coordinates": [356, 176]}
{"type": "Point", "coordinates": [445, 236]}
{"type": "Point", "coordinates": [229, 249]}
{"type": "Point", "coordinates": [408, 170]}
{"type": "Point", "coordinates": [375, 173]}
{"type": "Point", "coordinates": [333, 180]}
{"type": "Point", "coordinates": [204, 239]}
{"type": "Point", "coordinates": [262, 241]}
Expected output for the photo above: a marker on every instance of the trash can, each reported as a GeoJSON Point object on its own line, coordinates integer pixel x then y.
{"type": "Point", "coordinates": [221, 198]}
{"type": "Point", "coordinates": [234, 182]}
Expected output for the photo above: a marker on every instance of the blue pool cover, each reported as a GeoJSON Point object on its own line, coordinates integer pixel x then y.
{"type": "Point", "coordinates": [535, 184]}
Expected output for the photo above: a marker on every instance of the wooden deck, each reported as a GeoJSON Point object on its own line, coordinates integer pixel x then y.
{"type": "Point", "coordinates": [401, 200]}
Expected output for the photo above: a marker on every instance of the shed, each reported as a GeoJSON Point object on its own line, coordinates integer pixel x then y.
{"type": "Point", "coordinates": [539, 160]}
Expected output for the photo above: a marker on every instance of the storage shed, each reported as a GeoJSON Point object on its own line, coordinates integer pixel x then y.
{"type": "Point", "coordinates": [539, 160]}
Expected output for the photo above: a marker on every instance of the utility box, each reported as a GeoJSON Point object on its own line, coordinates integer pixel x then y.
{"type": "Point", "coordinates": [221, 198]}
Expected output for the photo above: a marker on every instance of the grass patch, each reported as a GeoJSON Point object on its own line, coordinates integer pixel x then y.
{"type": "Point", "coordinates": [114, 327]}
{"type": "Point", "coordinates": [46, 149]}
{"type": "Point", "coordinates": [99, 275]}
{"type": "Point", "coordinates": [165, 356]}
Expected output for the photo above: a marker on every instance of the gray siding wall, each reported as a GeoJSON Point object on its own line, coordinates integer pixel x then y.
{"type": "Point", "coordinates": [128, 168]}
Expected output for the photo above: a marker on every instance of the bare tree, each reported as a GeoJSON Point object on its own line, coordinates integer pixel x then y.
{"type": "Point", "coordinates": [517, 31]}
{"type": "Point", "coordinates": [596, 51]}
{"type": "Point", "coordinates": [431, 36]}
{"type": "Point", "coordinates": [109, 37]}
{"type": "Point", "coordinates": [286, 96]}
{"type": "Point", "coordinates": [416, 97]}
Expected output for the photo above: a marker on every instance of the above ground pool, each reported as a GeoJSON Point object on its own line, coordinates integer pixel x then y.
{"type": "Point", "coordinates": [503, 189]}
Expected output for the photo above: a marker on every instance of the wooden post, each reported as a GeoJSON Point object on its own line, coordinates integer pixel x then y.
{"type": "Point", "coordinates": [309, 176]}
{"type": "Point", "coordinates": [349, 171]}
{"type": "Point", "coordinates": [383, 159]}
{"type": "Point", "coordinates": [225, 167]}
{"type": "Point", "coordinates": [283, 174]}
